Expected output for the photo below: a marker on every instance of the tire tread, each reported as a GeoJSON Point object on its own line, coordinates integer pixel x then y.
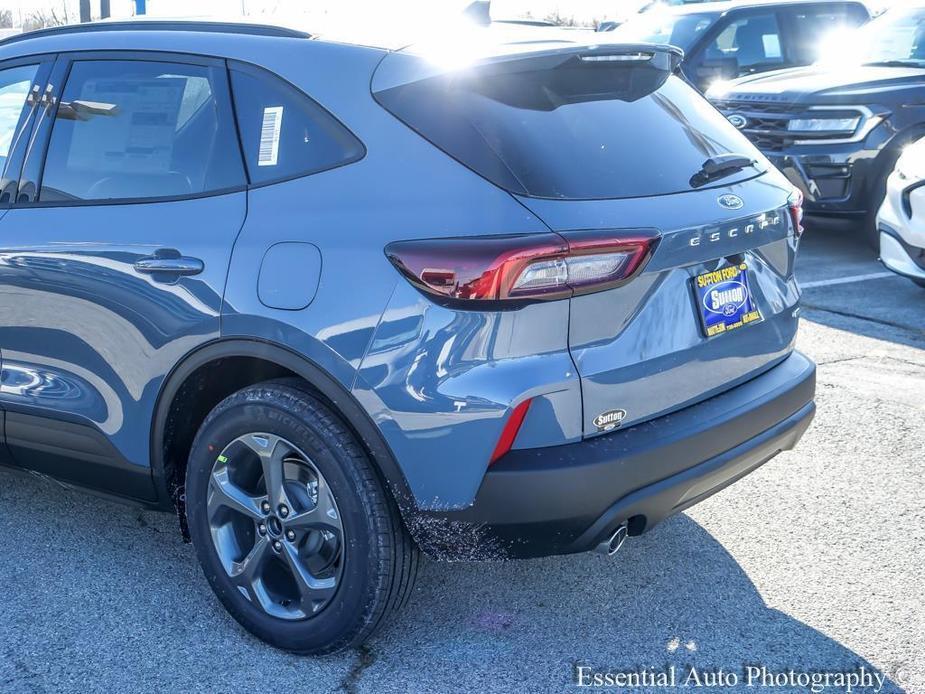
{"type": "Point", "coordinates": [398, 557]}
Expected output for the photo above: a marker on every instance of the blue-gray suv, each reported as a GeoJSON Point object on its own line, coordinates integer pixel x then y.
{"type": "Point", "coordinates": [338, 304]}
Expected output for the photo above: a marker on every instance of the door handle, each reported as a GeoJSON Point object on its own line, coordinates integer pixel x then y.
{"type": "Point", "coordinates": [168, 261]}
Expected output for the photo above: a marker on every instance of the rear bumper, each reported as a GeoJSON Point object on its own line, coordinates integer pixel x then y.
{"type": "Point", "coordinates": [901, 228]}
{"type": "Point", "coordinates": [565, 499]}
{"type": "Point", "coordinates": [899, 256]}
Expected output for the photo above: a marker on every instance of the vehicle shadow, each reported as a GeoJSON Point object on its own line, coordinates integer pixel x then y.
{"type": "Point", "coordinates": [674, 597]}
{"type": "Point", "coordinates": [100, 596]}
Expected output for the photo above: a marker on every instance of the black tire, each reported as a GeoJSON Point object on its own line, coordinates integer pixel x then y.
{"type": "Point", "coordinates": [869, 231]}
{"type": "Point", "coordinates": [380, 560]}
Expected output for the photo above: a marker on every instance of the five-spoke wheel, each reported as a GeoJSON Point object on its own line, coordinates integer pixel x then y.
{"type": "Point", "coordinates": [295, 532]}
{"type": "Point", "coordinates": [275, 525]}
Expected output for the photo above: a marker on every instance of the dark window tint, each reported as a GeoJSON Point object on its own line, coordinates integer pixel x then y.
{"type": "Point", "coordinates": [138, 130]}
{"type": "Point", "coordinates": [752, 42]}
{"type": "Point", "coordinates": [597, 131]}
{"type": "Point", "coordinates": [284, 133]}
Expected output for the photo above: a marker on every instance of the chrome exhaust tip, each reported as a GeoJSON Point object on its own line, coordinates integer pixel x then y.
{"type": "Point", "coordinates": [612, 545]}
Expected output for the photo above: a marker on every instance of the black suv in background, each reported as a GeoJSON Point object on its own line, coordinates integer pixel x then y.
{"type": "Point", "coordinates": [725, 40]}
{"type": "Point", "coordinates": [837, 128]}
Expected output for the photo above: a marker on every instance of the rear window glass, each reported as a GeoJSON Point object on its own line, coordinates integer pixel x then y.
{"type": "Point", "coordinates": [591, 131]}
{"type": "Point", "coordinates": [284, 133]}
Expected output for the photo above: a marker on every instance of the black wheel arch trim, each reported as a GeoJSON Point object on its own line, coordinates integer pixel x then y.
{"type": "Point", "coordinates": [340, 399]}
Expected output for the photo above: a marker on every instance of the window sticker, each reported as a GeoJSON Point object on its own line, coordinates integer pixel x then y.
{"type": "Point", "coordinates": [771, 46]}
{"type": "Point", "coordinates": [139, 130]}
{"type": "Point", "coordinates": [269, 136]}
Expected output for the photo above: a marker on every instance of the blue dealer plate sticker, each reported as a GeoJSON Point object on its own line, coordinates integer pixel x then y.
{"type": "Point", "coordinates": [724, 300]}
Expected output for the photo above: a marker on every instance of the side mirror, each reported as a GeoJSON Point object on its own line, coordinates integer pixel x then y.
{"type": "Point", "coordinates": [713, 69]}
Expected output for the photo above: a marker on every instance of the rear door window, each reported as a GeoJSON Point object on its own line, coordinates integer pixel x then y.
{"type": "Point", "coordinates": [284, 133]}
{"type": "Point", "coordinates": [582, 130]}
{"type": "Point", "coordinates": [137, 130]}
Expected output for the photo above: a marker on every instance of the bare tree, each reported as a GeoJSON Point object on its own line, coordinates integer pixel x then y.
{"type": "Point", "coordinates": [39, 19]}
{"type": "Point", "coordinates": [55, 14]}
{"type": "Point", "coordinates": [559, 19]}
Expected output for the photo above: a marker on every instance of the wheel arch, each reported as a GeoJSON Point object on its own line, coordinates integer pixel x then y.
{"type": "Point", "coordinates": [286, 360]}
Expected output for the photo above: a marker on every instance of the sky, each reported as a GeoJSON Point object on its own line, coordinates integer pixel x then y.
{"type": "Point", "coordinates": [581, 9]}
{"type": "Point", "coordinates": [312, 12]}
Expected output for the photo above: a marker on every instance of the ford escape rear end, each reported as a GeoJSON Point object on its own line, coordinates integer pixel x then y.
{"type": "Point", "coordinates": [339, 304]}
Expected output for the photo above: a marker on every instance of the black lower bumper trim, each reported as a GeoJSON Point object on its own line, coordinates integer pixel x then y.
{"type": "Point", "coordinates": [663, 499]}
{"type": "Point", "coordinates": [565, 499]}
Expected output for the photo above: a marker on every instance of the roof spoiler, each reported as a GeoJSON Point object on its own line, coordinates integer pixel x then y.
{"type": "Point", "coordinates": [416, 62]}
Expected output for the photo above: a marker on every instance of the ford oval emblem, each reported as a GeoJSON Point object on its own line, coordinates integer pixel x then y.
{"type": "Point", "coordinates": [738, 120]}
{"type": "Point", "coordinates": [730, 202]}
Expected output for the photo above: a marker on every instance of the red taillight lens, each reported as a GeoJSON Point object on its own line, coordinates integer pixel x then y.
{"type": "Point", "coordinates": [528, 267]}
{"type": "Point", "coordinates": [795, 203]}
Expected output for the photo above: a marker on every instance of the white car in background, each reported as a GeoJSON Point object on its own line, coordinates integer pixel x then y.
{"type": "Point", "coordinates": [901, 219]}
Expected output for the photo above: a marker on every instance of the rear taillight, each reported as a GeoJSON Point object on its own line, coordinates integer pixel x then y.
{"type": "Point", "coordinates": [795, 203]}
{"type": "Point", "coordinates": [528, 267]}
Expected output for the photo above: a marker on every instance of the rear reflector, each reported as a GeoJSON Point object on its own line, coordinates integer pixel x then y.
{"type": "Point", "coordinates": [510, 431]}
{"type": "Point", "coordinates": [530, 267]}
{"type": "Point", "coordinates": [795, 203]}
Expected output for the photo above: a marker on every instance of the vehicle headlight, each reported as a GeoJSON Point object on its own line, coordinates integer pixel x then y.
{"type": "Point", "coordinates": [824, 125]}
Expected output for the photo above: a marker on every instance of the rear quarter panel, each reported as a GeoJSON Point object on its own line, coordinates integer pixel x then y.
{"type": "Point", "coordinates": [439, 383]}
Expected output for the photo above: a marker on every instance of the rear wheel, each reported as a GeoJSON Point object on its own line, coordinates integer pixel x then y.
{"type": "Point", "coordinates": [294, 530]}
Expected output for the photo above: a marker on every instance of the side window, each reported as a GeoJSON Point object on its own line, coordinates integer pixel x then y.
{"type": "Point", "coordinates": [134, 130]}
{"type": "Point", "coordinates": [753, 42]}
{"type": "Point", "coordinates": [284, 133]}
{"type": "Point", "coordinates": [15, 84]}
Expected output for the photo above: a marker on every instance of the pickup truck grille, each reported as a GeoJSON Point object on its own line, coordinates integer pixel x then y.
{"type": "Point", "coordinates": [766, 123]}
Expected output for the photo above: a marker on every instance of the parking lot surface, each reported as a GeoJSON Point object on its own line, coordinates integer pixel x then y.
{"type": "Point", "coordinates": [813, 563]}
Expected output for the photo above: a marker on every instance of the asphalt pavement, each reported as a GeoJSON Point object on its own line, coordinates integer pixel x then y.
{"type": "Point", "coordinates": [812, 564]}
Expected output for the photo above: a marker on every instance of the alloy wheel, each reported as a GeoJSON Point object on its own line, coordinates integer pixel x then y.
{"type": "Point", "coordinates": [275, 526]}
